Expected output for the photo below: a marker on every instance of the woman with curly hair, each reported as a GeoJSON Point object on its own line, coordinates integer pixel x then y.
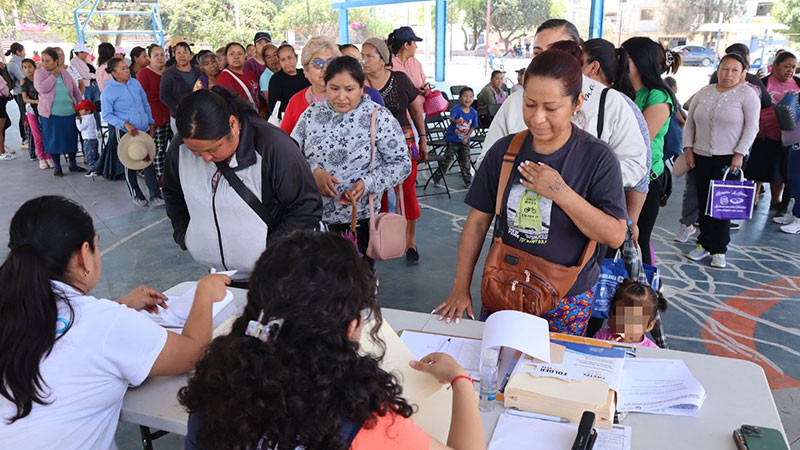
{"type": "Point", "coordinates": [284, 378]}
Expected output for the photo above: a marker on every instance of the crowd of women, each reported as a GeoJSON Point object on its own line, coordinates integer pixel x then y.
{"type": "Point", "coordinates": [575, 162]}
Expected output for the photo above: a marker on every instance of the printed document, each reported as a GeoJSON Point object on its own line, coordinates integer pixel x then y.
{"type": "Point", "coordinates": [517, 432]}
{"type": "Point", "coordinates": [466, 351]}
{"type": "Point", "coordinates": [659, 386]}
{"type": "Point", "coordinates": [581, 362]}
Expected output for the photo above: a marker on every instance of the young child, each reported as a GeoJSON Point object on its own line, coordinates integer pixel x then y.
{"type": "Point", "coordinates": [88, 128]}
{"type": "Point", "coordinates": [31, 98]}
{"type": "Point", "coordinates": [463, 120]}
{"type": "Point", "coordinates": [633, 313]}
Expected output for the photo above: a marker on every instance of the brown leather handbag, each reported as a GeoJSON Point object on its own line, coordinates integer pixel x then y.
{"type": "Point", "coordinates": [514, 279]}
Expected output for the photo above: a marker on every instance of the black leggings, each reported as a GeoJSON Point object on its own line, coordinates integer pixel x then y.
{"type": "Point", "coordinates": [648, 216]}
{"type": "Point", "coordinates": [22, 115]}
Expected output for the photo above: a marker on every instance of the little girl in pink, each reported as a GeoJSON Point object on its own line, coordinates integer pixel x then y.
{"type": "Point", "coordinates": [633, 313]}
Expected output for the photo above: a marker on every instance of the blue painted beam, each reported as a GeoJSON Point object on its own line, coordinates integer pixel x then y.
{"type": "Point", "coordinates": [596, 20]}
{"type": "Point", "coordinates": [441, 32]}
{"type": "Point", "coordinates": [344, 26]}
{"type": "Point", "coordinates": [337, 4]}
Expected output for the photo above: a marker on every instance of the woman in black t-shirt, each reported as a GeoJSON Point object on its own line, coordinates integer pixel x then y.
{"type": "Point", "coordinates": [565, 190]}
{"type": "Point", "coordinates": [398, 94]}
{"type": "Point", "coordinates": [286, 82]}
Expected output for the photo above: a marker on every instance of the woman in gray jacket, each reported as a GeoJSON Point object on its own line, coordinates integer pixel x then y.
{"type": "Point", "coordinates": [14, 68]}
{"type": "Point", "coordinates": [227, 225]}
{"type": "Point", "coordinates": [335, 136]}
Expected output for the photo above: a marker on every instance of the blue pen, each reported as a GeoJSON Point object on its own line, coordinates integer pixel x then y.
{"type": "Point", "coordinates": [508, 373]}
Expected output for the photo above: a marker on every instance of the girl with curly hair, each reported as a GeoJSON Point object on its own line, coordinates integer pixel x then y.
{"type": "Point", "coordinates": [301, 381]}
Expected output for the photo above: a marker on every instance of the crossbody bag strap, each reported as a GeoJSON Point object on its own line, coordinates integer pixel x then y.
{"type": "Point", "coordinates": [244, 87]}
{"type": "Point", "coordinates": [601, 113]}
{"type": "Point", "coordinates": [372, 131]}
{"type": "Point", "coordinates": [246, 194]}
{"type": "Point", "coordinates": [508, 165]}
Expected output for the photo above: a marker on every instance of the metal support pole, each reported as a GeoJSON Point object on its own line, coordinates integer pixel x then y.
{"type": "Point", "coordinates": [596, 22]}
{"type": "Point", "coordinates": [344, 26]}
{"type": "Point", "coordinates": [441, 31]}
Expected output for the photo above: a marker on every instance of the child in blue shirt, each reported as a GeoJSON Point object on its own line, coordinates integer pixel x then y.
{"type": "Point", "coordinates": [463, 120]}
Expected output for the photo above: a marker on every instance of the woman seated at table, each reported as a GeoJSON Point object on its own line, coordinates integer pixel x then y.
{"type": "Point", "coordinates": [66, 357]}
{"type": "Point", "coordinates": [334, 135]}
{"type": "Point", "coordinates": [301, 381]}
{"type": "Point", "coordinates": [492, 94]}
{"type": "Point", "coordinates": [564, 191]}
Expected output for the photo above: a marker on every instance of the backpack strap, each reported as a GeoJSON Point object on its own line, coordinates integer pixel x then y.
{"type": "Point", "coordinates": [348, 431]}
{"type": "Point", "coordinates": [247, 195]}
{"type": "Point", "coordinates": [601, 113]}
{"type": "Point", "coordinates": [508, 165]}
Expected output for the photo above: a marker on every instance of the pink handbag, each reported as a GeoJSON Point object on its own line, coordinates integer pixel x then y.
{"type": "Point", "coordinates": [435, 103]}
{"type": "Point", "coordinates": [387, 231]}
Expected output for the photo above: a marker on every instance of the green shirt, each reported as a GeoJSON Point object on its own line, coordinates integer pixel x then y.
{"type": "Point", "coordinates": [644, 99]}
{"type": "Point", "coordinates": [62, 102]}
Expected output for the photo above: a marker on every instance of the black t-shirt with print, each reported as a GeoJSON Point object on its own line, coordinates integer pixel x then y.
{"type": "Point", "coordinates": [32, 93]}
{"type": "Point", "coordinates": [398, 93]}
{"type": "Point", "coordinates": [535, 224]}
{"type": "Point", "coordinates": [282, 87]}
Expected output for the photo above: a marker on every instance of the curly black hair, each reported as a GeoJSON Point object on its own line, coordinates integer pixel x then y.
{"type": "Point", "coordinates": [297, 389]}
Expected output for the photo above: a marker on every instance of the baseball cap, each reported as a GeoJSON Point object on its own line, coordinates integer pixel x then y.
{"type": "Point", "coordinates": [406, 34]}
{"type": "Point", "coordinates": [177, 40]}
{"type": "Point", "coordinates": [81, 48]}
{"type": "Point", "coordinates": [262, 35]}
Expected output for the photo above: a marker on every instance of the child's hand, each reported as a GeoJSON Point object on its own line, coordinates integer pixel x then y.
{"type": "Point", "coordinates": [465, 139]}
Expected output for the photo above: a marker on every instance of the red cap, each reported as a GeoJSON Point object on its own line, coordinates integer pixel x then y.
{"type": "Point", "coordinates": [84, 104]}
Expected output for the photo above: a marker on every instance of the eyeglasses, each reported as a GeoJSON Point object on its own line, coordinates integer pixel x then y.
{"type": "Point", "coordinates": [320, 64]}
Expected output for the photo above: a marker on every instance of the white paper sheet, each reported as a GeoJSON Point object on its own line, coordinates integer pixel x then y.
{"type": "Point", "coordinates": [178, 307]}
{"type": "Point", "coordinates": [465, 350]}
{"type": "Point", "coordinates": [577, 366]}
{"type": "Point", "coordinates": [660, 386]}
{"type": "Point", "coordinates": [524, 332]}
{"type": "Point", "coordinates": [516, 432]}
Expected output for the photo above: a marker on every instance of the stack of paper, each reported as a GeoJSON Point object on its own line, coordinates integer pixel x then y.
{"type": "Point", "coordinates": [580, 378]}
{"type": "Point", "coordinates": [660, 386]}
{"type": "Point", "coordinates": [466, 351]}
{"type": "Point", "coordinates": [178, 307]}
{"type": "Point", "coordinates": [516, 432]}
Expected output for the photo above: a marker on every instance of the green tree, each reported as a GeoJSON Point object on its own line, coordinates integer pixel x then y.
{"type": "Point", "coordinates": [511, 19]}
{"type": "Point", "coordinates": [686, 16]}
{"type": "Point", "coordinates": [787, 12]}
{"type": "Point", "coordinates": [308, 18]}
{"type": "Point", "coordinates": [473, 20]}
{"type": "Point", "coordinates": [214, 21]}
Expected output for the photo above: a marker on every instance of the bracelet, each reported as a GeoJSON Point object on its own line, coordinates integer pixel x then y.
{"type": "Point", "coordinates": [466, 377]}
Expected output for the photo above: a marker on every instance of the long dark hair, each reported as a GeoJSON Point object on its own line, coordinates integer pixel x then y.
{"type": "Point", "coordinates": [104, 53]}
{"type": "Point", "coordinates": [613, 63]}
{"type": "Point", "coordinates": [566, 25]}
{"type": "Point", "coordinates": [345, 64]}
{"type": "Point", "coordinates": [204, 114]}
{"type": "Point", "coordinates": [297, 388]}
{"type": "Point", "coordinates": [15, 48]}
{"type": "Point", "coordinates": [558, 65]}
{"type": "Point", "coordinates": [44, 235]}
{"type": "Point", "coordinates": [651, 60]}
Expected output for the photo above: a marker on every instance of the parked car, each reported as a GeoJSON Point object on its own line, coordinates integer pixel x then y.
{"type": "Point", "coordinates": [695, 54]}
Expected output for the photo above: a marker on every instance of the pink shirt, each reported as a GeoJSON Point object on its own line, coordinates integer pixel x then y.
{"type": "Point", "coordinates": [102, 76]}
{"type": "Point", "coordinates": [606, 335]}
{"type": "Point", "coordinates": [413, 69]}
{"type": "Point", "coordinates": [777, 89]}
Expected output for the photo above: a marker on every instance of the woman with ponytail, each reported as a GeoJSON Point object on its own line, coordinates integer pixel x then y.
{"type": "Point", "coordinates": [648, 60]}
{"type": "Point", "coordinates": [67, 358]}
{"type": "Point", "coordinates": [608, 65]}
{"type": "Point", "coordinates": [284, 378]}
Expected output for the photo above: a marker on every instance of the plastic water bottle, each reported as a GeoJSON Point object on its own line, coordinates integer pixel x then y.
{"type": "Point", "coordinates": [488, 390]}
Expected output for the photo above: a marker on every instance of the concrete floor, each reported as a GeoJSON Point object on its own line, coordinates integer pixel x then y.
{"type": "Point", "coordinates": [749, 310]}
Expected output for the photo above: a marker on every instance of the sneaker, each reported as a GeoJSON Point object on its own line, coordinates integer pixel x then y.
{"type": "Point", "coordinates": [90, 174]}
{"type": "Point", "coordinates": [785, 219]}
{"type": "Point", "coordinates": [698, 254]}
{"type": "Point", "coordinates": [7, 156]}
{"type": "Point", "coordinates": [685, 233]}
{"type": "Point", "coordinates": [718, 260]}
{"type": "Point", "coordinates": [156, 201]}
{"type": "Point", "coordinates": [412, 256]}
{"type": "Point", "coordinates": [140, 202]}
{"type": "Point", "coordinates": [50, 163]}
{"type": "Point", "coordinates": [43, 164]}
{"type": "Point", "coordinates": [792, 228]}
{"type": "Point", "coordinates": [11, 150]}
{"type": "Point", "coordinates": [467, 184]}
{"type": "Point", "coordinates": [735, 225]}
{"type": "Point", "coordinates": [33, 157]}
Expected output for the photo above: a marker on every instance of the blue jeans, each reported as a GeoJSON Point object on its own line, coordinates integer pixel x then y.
{"type": "Point", "coordinates": [793, 173]}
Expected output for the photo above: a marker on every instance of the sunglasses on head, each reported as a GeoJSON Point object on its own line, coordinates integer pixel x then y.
{"type": "Point", "coordinates": [320, 64]}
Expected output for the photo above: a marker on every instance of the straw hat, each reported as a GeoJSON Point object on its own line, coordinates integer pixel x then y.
{"type": "Point", "coordinates": [136, 152]}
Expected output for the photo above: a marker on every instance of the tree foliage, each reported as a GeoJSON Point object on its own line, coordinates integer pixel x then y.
{"type": "Point", "coordinates": [214, 21]}
{"type": "Point", "coordinates": [687, 15]}
{"type": "Point", "coordinates": [787, 12]}
{"type": "Point", "coordinates": [511, 19]}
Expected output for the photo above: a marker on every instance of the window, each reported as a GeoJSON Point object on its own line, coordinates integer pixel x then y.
{"type": "Point", "coordinates": [647, 14]}
{"type": "Point", "coordinates": [763, 9]}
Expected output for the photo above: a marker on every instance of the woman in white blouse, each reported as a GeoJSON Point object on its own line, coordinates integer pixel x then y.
{"type": "Point", "coordinates": [721, 127]}
{"type": "Point", "coordinates": [67, 358]}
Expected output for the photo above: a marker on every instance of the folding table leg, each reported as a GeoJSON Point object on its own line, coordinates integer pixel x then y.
{"type": "Point", "coordinates": [148, 437]}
